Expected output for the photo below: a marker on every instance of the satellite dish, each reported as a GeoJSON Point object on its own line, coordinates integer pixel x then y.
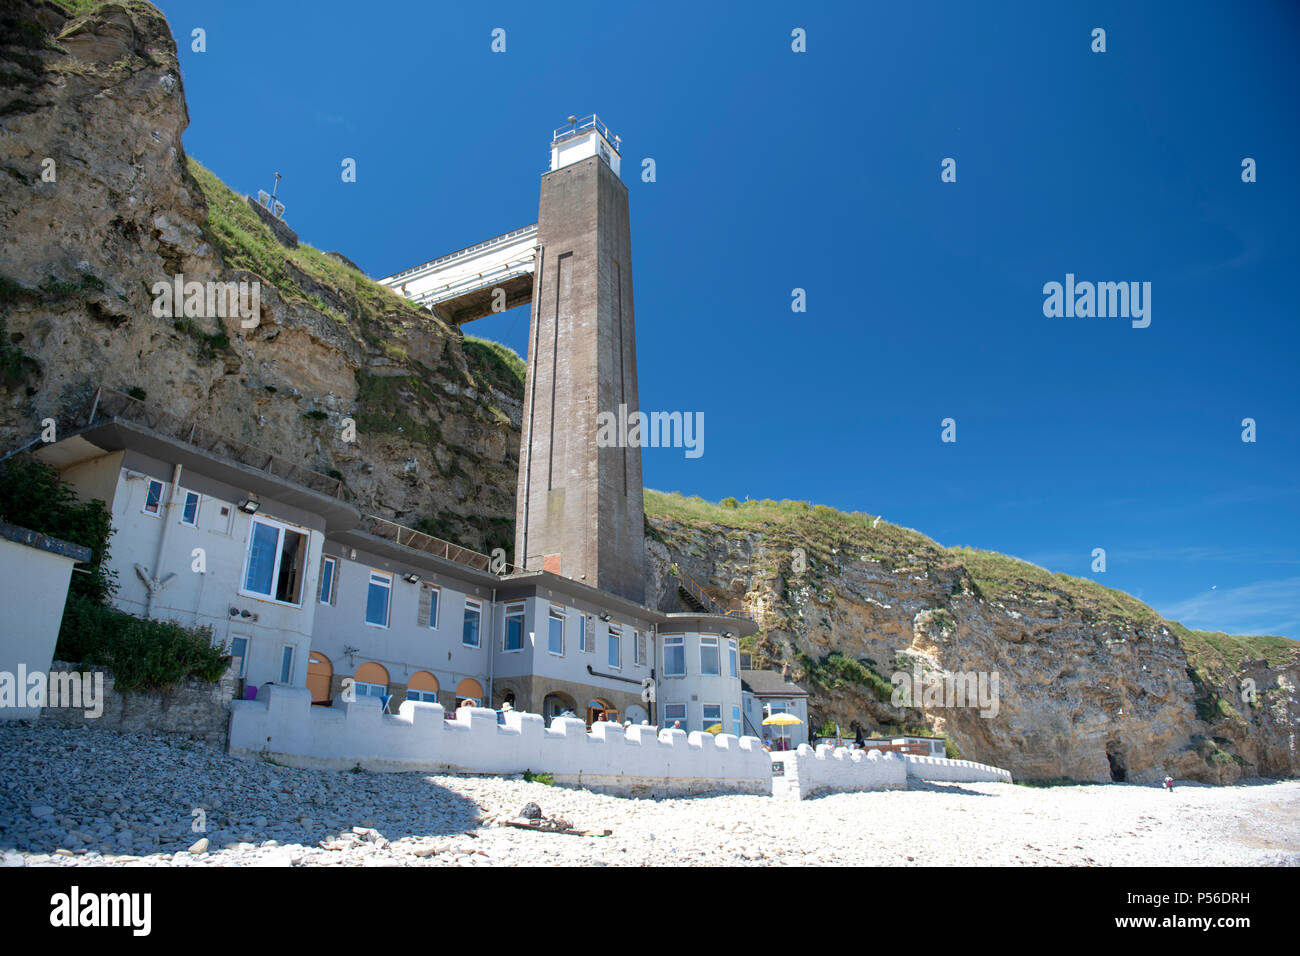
{"type": "Point", "coordinates": [264, 198]}
{"type": "Point", "coordinates": [573, 121]}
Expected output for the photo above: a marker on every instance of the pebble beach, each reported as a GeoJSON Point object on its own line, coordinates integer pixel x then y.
{"type": "Point", "coordinates": [95, 798]}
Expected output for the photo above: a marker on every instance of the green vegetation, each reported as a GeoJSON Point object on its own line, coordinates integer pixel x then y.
{"type": "Point", "coordinates": [1218, 655]}
{"type": "Point", "coordinates": [248, 243]}
{"type": "Point", "coordinates": [542, 778]}
{"type": "Point", "coordinates": [16, 366]}
{"type": "Point", "coordinates": [143, 655]}
{"type": "Point", "coordinates": [495, 365]}
{"type": "Point", "coordinates": [211, 344]}
{"type": "Point", "coordinates": [32, 497]}
{"type": "Point", "coordinates": [383, 402]}
{"type": "Point", "coordinates": [836, 671]}
{"type": "Point", "coordinates": [1002, 578]}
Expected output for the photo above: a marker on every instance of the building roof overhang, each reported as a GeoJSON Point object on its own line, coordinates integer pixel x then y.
{"type": "Point", "coordinates": [120, 435]}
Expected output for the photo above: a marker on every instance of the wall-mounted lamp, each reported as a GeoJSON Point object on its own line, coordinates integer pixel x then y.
{"type": "Point", "coordinates": [249, 506]}
{"type": "Point", "coordinates": [234, 612]}
{"type": "Point", "coordinates": [728, 633]}
{"type": "Point", "coordinates": [411, 577]}
{"type": "Point", "coordinates": [605, 616]}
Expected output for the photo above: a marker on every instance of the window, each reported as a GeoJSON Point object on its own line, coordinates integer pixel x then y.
{"type": "Point", "coordinates": [638, 647]}
{"type": "Point", "coordinates": [377, 595]}
{"type": "Point", "coordinates": [709, 665]}
{"type": "Point", "coordinates": [239, 648]}
{"type": "Point", "coordinates": [153, 497]}
{"type": "Point", "coordinates": [555, 632]}
{"type": "Point", "coordinates": [427, 696]}
{"type": "Point", "coordinates": [582, 632]}
{"type": "Point", "coordinates": [737, 727]}
{"type": "Point", "coordinates": [733, 658]}
{"type": "Point", "coordinates": [190, 510]}
{"type": "Point", "coordinates": [276, 557]}
{"type": "Point", "coordinates": [328, 570]}
{"type": "Point", "coordinates": [286, 664]}
{"type": "Point", "coordinates": [366, 689]}
{"type": "Point", "coordinates": [674, 655]}
{"type": "Point", "coordinates": [615, 647]}
{"type": "Point", "coordinates": [473, 617]}
{"type": "Point", "coordinates": [514, 637]}
{"type": "Point", "coordinates": [427, 612]}
{"type": "Point", "coordinates": [675, 714]}
{"type": "Point", "coordinates": [713, 718]}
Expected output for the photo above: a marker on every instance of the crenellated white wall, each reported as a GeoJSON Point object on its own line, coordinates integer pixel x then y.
{"type": "Point", "coordinates": [807, 772]}
{"type": "Point", "coordinates": [804, 772]}
{"type": "Point", "coordinates": [283, 725]}
{"type": "Point", "coordinates": [940, 769]}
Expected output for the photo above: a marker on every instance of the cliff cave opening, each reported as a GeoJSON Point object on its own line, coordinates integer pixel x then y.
{"type": "Point", "coordinates": [1118, 762]}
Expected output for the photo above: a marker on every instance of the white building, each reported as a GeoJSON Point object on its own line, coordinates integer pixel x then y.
{"type": "Point", "coordinates": [309, 592]}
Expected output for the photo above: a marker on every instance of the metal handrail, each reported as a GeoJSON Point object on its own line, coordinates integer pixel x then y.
{"type": "Point", "coordinates": [696, 590]}
{"type": "Point", "coordinates": [419, 541]}
{"type": "Point", "coordinates": [495, 240]}
{"type": "Point", "coordinates": [110, 404]}
{"type": "Point", "coordinates": [587, 122]}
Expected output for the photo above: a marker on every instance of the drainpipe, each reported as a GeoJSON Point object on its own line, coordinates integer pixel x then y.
{"type": "Point", "coordinates": [491, 648]}
{"type": "Point", "coordinates": [162, 542]}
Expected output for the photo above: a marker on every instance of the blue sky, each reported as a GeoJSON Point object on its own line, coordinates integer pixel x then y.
{"type": "Point", "coordinates": [821, 171]}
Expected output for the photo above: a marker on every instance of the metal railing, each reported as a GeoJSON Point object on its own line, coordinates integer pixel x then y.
{"type": "Point", "coordinates": [418, 540]}
{"type": "Point", "coordinates": [110, 404]}
{"type": "Point", "coordinates": [461, 253]}
{"type": "Point", "coordinates": [481, 280]}
{"type": "Point", "coordinates": [696, 590]}
{"type": "Point", "coordinates": [586, 123]}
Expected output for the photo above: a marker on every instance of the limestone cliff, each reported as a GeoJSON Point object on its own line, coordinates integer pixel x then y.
{"type": "Point", "coordinates": [1093, 685]}
{"type": "Point", "coordinates": [1092, 682]}
{"type": "Point", "coordinates": [98, 201]}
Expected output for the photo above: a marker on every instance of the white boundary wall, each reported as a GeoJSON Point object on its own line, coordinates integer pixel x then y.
{"type": "Point", "coordinates": [804, 772]}
{"type": "Point", "coordinates": [942, 770]}
{"type": "Point", "coordinates": [282, 724]}
{"type": "Point", "coordinates": [807, 772]}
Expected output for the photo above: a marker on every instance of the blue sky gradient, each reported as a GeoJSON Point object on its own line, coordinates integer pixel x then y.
{"type": "Point", "coordinates": [821, 170]}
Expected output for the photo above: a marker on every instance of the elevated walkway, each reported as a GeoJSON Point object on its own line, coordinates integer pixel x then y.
{"type": "Point", "coordinates": [459, 287]}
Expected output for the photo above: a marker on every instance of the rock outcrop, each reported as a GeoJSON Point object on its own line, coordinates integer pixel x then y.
{"type": "Point", "coordinates": [1092, 684]}
{"type": "Point", "coordinates": [98, 202]}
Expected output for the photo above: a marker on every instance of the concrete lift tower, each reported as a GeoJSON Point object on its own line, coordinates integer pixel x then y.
{"type": "Point", "coordinates": [580, 510]}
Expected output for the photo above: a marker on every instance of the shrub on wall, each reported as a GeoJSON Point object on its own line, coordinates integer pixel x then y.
{"type": "Point", "coordinates": [32, 497]}
{"type": "Point", "coordinates": [143, 655]}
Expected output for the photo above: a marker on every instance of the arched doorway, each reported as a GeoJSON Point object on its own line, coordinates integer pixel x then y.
{"type": "Point", "coordinates": [422, 687]}
{"type": "Point", "coordinates": [636, 713]}
{"type": "Point", "coordinates": [371, 680]}
{"type": "Point", "coordinates": [319, 672]}
{"type": "Point", "coordinates": [471, 690]}
{"type": "Point", "coordinates": [557, 703]}
{"type": "Point", "coordinates": [598, 709]}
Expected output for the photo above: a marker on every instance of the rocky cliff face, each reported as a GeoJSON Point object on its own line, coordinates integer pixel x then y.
{"type": "Point", "coordinates": [98, 201]}
{"type": "Point", "coordinates": [1091, 684]}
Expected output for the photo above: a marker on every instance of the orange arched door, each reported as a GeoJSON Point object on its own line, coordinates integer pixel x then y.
{"type": "Point", "coordinates": [469, 689]}
{"type": "Point", "coordinates": [319, 672]}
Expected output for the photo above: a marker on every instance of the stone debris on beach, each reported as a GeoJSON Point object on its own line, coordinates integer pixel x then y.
{"type": "Point", "coordinates": [137, 808]}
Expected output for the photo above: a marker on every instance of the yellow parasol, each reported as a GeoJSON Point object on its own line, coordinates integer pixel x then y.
{"type": "Point", "coordinates": [782, 720]}
{"type": "Point", "coordinates": [715, 729]}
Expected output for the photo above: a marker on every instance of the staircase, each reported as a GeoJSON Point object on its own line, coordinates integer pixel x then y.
{"type": "Point", "coordinates": [696, 599]}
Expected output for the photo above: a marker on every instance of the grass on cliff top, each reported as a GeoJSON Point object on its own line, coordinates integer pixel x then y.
{"type": "Point", "coordinates": [245, 242]}
{"type": "Point", "coordinates": [822, 526]}
{"type": "Point", "coordinates": [1218, 654]}
{"type": "Point", "coordinates": [1001, 578]}
{"type": "Point", "coordinates": [496, 365]}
